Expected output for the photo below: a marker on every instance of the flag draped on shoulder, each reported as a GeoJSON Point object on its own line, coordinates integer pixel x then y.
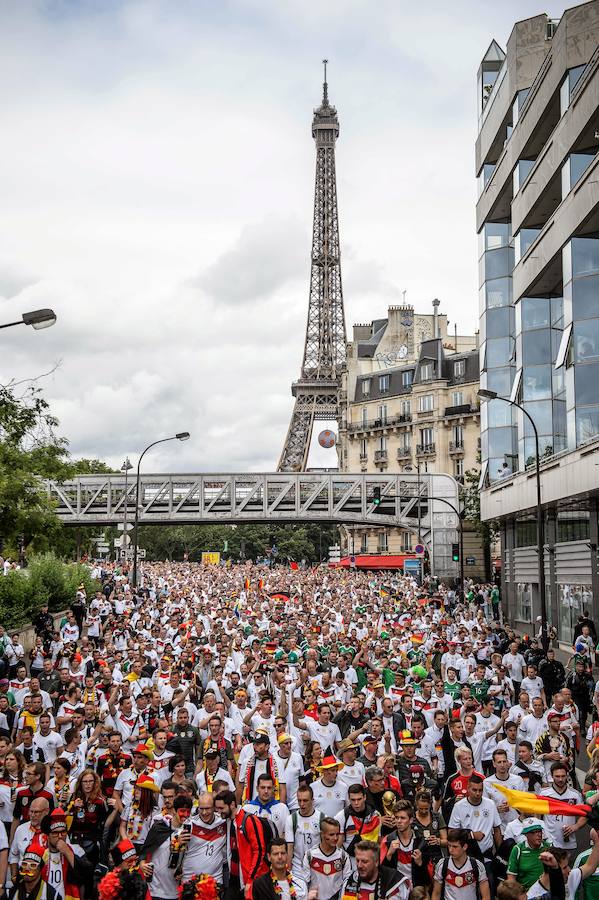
{"type": "Point", "coordinates": [280, 595]}
{"type": "Point", "coordinates": [538, 805]}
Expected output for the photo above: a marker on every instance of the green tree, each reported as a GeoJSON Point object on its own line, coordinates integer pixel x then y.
{"type": "Point", "coordinates": [249, 541]}
{"type": "Point", "coordinates": [31, 451]}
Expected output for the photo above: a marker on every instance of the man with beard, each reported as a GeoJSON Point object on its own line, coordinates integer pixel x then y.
{"type": "Point", "coordinates": [370, 879]}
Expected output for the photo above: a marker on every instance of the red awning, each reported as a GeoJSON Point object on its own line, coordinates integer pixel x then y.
{"type": "Point", "coordinates": [366, 561]}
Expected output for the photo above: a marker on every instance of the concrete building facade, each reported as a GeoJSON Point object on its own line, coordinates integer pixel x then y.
{"type": "Point", "coordinates": [410, 400]}
{"type": "Point", "coordinates": [537, 215]}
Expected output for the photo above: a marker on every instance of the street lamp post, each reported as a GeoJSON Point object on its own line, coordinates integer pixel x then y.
{"type": "Point", "coordinates": [126, 468]}
{"type": "Point", "coordinates": [492, 395]}
{"type": "Point", "coordinates": [180, 436]}
{"type": "Point", "coordinates": [38, 319]}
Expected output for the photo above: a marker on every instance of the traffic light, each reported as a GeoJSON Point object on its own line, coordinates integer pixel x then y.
{"type": "Point", "coordinates": [455, 552]}
{"type": "Point", "coordinates": [376, 496]}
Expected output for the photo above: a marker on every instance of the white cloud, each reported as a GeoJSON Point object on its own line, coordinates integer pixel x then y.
{"type": "Point", "coordinates": [156, 174]}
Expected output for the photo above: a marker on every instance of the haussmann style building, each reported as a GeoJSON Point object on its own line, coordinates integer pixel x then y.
{"type": "Point", "coordinates": [409, 400]}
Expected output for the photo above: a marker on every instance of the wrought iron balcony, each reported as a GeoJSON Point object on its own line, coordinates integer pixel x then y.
{"type": "Point", "coordinates": [425, 449]}
{"type": "Point", "coordinates": [404, 452]}
{"type": "Point", "coordinates": [374, 424]}
{"type": "Point", "coordinates": [465, 409]}
{"type": "Point", "coordinates": [380, 456]}
{"type": "Point", "coordinates": [456, 446]}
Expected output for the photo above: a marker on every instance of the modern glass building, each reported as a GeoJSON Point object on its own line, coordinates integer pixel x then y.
{"type": "Point", "coordinates": [537, 166]}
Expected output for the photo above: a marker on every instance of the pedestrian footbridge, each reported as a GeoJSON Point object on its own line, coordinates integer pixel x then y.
{"type": "Point", "coordinates": [421, 503]}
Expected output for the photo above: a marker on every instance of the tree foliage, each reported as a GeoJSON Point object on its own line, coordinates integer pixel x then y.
{"type": "Point", "coordinates": [46, 580]}
{"type": "Point", "coordinates": [295, 542]}
{"type": "Point", "coordinates": [31, 451]}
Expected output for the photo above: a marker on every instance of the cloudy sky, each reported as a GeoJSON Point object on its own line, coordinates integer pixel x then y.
{"type": "Point", "coordinates": [156, 178]}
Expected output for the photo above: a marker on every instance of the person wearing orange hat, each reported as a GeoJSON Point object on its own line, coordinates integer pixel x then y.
{"type": "Point", "coordinates": [137, 819]}
{"type": "Point", "coordinates": [330, 793]}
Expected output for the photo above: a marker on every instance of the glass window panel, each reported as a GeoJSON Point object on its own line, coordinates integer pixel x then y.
{"type": "Point", "coordinates": [497, 263]}
{"type": "Point", "coordinates": [521, 172]}
{"type": "Point", "coordinates": [587, 383]}
{"type": "Point", "coordinates": [586, 341]}
{"type": "Point", "coordinates": [579, 163]}
{"type": "Point", "coordinates": [587, 423]}
{"type": "Point", "coordinates": [501, 441]}
{"type": "Point", "coordinates": [567, 263]}
{"type": "Point", "coordinates": [574, 76]}
{"type": "Point", "coordinates": [563, 352]}
{"type": "Point", "coordinates": [499, 352]}
{"type": "Point", "coordinates": [534, 311]}
{"type": "Point", "coordinates": [556, 338]}
{"type": "Point", "coordinates": [499, 322]}
{"type": "Point", "coordinates": [496, 234]}
{"type": "Point", "coordinates": [524, 239]}
{"type": "Point", "coordinates": [557, 312]}
{"type": "Point", "coordinates": [541, 413]}
{"type": "Point", "coordinates": [536, 383]}
{"type": "Point", "coordinates": [500, 380]}
{"type": "Point", "coordinates": [498, 292]}
{"type": "Point", "coordinates": [499, 413]}
{"type": "Point", "coordinates": [585, 256]}
{"type": "Point", "coordinates": [558, 383]}
{"type": "Point", "coordinates": [536, 346]}
{"type": "Point", "coordinates": [500, 467]}
{"type": "Point", "coordinates": [585, 297]}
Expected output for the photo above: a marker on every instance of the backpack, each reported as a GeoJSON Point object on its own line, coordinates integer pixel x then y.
{"type": "Point", "coordinates": [475, 872]}
{"type": "Point", "coordinates": [294, 816]}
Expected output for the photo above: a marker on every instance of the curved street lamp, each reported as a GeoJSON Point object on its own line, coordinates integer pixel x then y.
{"type": "Point", "coordinates": [493, 395]}
{"type": "Point", "coordinates": [38, 319]}
{"type": "Point", "coordinates": [180, 436]}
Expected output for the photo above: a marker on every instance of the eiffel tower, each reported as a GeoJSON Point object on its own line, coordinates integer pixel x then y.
{"type": "Point", "coordinates": [317, 390]}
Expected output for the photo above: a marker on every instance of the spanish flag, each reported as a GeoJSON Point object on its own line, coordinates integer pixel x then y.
{"type": "Point", "coordinates": [537, 805]}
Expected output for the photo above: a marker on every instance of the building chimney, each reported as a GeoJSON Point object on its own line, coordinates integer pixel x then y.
{"type": "Point", "coordinates": [436, 305]}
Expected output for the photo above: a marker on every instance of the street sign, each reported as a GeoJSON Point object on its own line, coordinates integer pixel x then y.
{"type": "Point", "coordinates": [123, 541]}
{"type": "Point", "coordinates": [419, 549]}
{"type": "Point", "coordinates": [352, 562]}
{"type": "Point", "coordinates": [128, 554]}
{"type": "Point", "coordinates": [122, 527]}
{"type": "Point", "coordinates": [471, 560]}
{"type": "Point", "coordinates": [413, 567]}
{"type": "Point", "coordinates": [335, 553]}
{"type": "Point", "coordinates": [103, 548]}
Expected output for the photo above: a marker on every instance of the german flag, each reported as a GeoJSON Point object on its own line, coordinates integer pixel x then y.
{"type": "Point", "coordinates": [280, 595]}
{"type": "Point", "coordinates": [417, 637]}
{"type": "Point", "coordinates": [370, 830]}
{"type": "Point", "coordinates": [537, 805]}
